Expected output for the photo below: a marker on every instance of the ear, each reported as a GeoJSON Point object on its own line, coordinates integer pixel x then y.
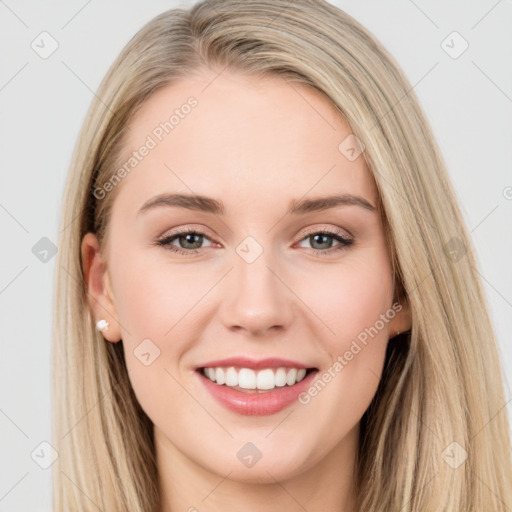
{"type": "Point", "coordinates": [99, 290]}
{"type": "Point", "coordinates": [402, 321]}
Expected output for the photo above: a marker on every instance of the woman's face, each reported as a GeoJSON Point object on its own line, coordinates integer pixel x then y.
{"type": "Point", "coordinates": [268, 272]}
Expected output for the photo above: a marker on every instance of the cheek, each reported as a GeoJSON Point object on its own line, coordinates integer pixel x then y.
{"type": "Point", "coordinates": [161, 302]}
{"type": "Point", "coordinates": [355, 305]}
{"type": "Point", "coordinates": [152, 296]}
{"type": "Point", "coordinates": [155, 305]}
{"type": "Point", "coordinates": [350, 298]}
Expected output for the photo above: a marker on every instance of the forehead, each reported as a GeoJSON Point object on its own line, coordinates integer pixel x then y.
{"type": "Point", "coordinates": [216, 134]}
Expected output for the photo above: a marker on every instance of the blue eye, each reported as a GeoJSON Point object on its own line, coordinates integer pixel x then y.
{"type": "Point", "coordinates": [190, 241]}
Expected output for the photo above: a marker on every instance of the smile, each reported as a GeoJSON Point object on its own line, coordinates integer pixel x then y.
{"type": "Point", "coordinates": [250, 392]}
{"type": "Point", "coordinates": [247, 379]}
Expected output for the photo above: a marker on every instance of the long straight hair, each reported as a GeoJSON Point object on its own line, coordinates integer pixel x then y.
{"type": "Point", "coordinates": [441, 397]}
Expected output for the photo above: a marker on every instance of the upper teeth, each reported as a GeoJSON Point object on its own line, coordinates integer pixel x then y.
{"type": "Point", "coordinates": [247, 378]}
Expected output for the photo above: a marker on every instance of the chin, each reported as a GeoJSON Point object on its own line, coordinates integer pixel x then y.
{"type": "Point", "coordinates": [280, 465]}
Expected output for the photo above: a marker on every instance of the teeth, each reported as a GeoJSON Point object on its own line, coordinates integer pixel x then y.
{"type": "Point", "coordinates": [247, 378]}
{"type": "Point", "coordinates": [231, 377]}
{"type": "Point", "coordinates": [220, 376]}
{"type": "Point", "coordinates": [265, 380]}
{"type": "Point", "coordinates": [291, 377]}
{"type": "Point", "coordinates": [281, 377]}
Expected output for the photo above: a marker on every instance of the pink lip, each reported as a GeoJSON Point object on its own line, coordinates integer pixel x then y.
{"type": "Point", "coordinates": [245, 362]}
{"type": "Point", "coordinates": [256, 404]}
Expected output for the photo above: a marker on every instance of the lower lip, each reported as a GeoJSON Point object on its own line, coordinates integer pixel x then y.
{"type": "Point", "coordinates": [257, 404]}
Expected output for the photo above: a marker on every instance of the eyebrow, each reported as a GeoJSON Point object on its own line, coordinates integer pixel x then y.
{"type": "Point", "coordinates": [295, 207]}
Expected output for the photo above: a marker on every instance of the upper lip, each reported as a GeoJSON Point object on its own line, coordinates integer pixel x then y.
{"type": "Point", "coordinates": [245, 362]}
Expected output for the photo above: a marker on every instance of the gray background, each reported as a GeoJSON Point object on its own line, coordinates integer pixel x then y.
{"type": "Point", "coordinates": [468, 100]}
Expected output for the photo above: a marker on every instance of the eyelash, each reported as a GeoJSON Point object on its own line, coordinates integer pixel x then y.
{"type": "Point", "coordinates": [344, 242]}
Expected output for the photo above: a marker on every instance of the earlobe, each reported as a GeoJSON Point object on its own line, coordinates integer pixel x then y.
{"type": "Point", "coordinates": [402, 321]}
{"type": "Point", "coordinates": [98, 289]}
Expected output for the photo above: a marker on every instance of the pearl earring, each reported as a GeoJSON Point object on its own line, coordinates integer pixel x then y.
{"type": "Point", "coordinates": [102, 325]}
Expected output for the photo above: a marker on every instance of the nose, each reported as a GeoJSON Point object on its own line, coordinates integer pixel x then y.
{"type": "Point", "coordinates": [257, 298]}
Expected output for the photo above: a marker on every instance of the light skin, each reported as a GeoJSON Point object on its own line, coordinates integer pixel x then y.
{"type": "Point", "coordinates": [254, 145]}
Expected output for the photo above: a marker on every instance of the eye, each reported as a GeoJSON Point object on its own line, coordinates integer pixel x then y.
{"type": "Point", "coordinates": [323, 240]}
{"type": "Point", "coordinates": [190, 241]}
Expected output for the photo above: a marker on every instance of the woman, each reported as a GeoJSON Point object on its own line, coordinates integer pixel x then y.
{"type": "Point", "coordinates": [266, 294]}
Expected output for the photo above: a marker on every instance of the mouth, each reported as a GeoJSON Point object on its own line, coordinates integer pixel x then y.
{"type": "Point", "coordinates": [248, 380]}
{"type": "Point", "coordinates": [256, 391]}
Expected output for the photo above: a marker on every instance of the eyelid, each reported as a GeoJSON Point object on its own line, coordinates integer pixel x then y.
{"type": "Point", "coordinates": [174, 234]}
{"type": "Point", "coordinates": [335, 229]}
{"type": "Point", "coordinates": [195, 228]}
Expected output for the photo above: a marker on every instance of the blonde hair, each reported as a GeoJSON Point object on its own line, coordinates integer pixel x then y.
{"type": "Point", "coordinates": [442, 382]}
